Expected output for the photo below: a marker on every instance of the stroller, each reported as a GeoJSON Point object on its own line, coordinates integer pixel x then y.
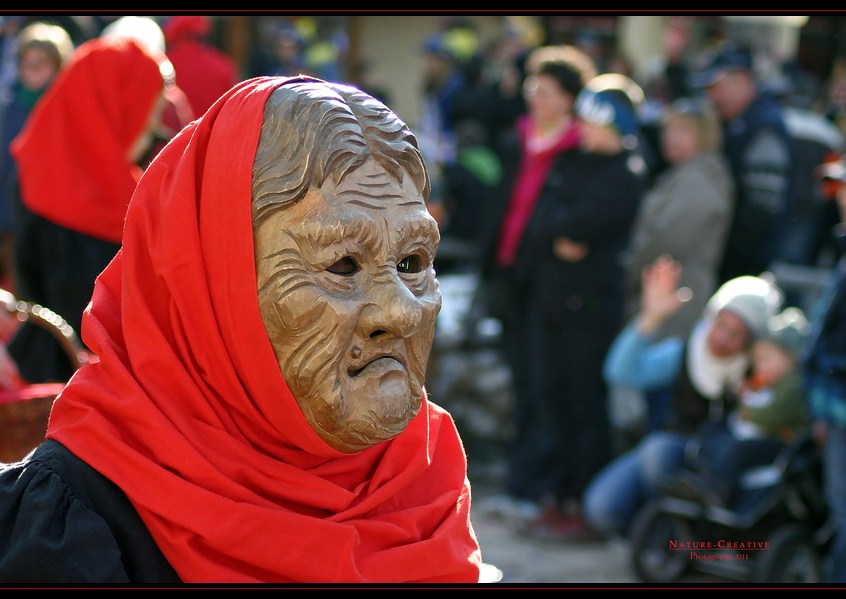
{"type": "Point", "coordinates": [775, 531]}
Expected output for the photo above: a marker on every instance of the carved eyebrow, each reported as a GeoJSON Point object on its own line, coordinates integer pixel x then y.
{"type": "Point", "coordinates": [420, 227]}
{"type": "Point", "coordinates": [353, 234]}
{"type": "Point", "coordinates": [319, 235]}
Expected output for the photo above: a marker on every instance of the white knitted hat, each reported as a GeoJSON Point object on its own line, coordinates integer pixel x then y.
{"type": "Point", "coordinates": [754, 299]}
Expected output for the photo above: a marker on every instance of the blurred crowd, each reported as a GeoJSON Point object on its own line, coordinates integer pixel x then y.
{"type": "Point", "coordinates": [634, 238]}
{"type": "Point", "coordinates": [650, 248]}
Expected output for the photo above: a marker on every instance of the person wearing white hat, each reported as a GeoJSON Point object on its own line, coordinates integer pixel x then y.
{"type": "Point", "coordinates": [768, 413]}
{"type": "Point", "coordinates": [685, 379]}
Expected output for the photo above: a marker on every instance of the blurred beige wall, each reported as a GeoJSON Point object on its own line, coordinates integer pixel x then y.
{"type": "Point", "coordinates": [393, 45]}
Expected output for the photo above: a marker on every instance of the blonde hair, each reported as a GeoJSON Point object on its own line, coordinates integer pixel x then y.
{"type": "Point", "coordinates": [52, 39]}
{"type": "Point", "coordinates": [701, 114]}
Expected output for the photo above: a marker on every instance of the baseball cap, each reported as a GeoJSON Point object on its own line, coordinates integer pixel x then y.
{"type": "Point", "coordinates": [728, 57]}
{"type": "Point", "coordinates": [610, 100]}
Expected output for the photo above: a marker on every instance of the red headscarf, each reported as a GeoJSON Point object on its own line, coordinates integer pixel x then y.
{"type": "Point", "coordinates": [188, 413]}
{"type": "Point", "coordinates": [72, 152]}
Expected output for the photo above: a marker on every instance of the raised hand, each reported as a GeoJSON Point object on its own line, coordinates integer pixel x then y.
{"type": "Point", "coordinates": [660, 294]}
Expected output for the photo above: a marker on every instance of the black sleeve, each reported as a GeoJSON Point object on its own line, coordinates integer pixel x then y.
{"type": "Point", "coordinates": [63, 522]}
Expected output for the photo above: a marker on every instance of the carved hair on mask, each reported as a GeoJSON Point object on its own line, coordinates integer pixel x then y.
{"type": "Point", "coordinates": [337, 128]}
{"type": "Point", "coordinates": [344, 249]}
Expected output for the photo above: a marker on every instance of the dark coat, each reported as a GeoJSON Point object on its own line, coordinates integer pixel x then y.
{"type": "Point", "coordinates": [89, 530]}
{"type": "Point", "coordinates": [760, 151]}
{"type": "Point", "coordinates": [590, 199]}
{"type": "Point", "coordinates": [562, 316]}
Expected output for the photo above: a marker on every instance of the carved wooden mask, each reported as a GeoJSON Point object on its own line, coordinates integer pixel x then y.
{"type": "Point", "coordinates": [344, 249]}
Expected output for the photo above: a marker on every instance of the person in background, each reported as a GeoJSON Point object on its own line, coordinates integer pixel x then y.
{"type": "Point", "coordinates": [824, 369]}
{"type": "Point", "coordinates": [281, 54]}
{"type": "Point", "coordinates": [760, 152]}
{"type": "Point", "coordinates": [177, 110]}
{"type": "Point", "coordinates": [695, 372]}
{"type": "Point", "coordinates": [686, 212]}
{"type": "Point", "coordinates": [444, 56]}
{"type": "Point", "coordinates": [78, 162]}
{"type": "Point", "coordinates": [538, 157]}
{"type": "Point", "coordinates": [258, 411]}
{"type": "Point", "coordinates": [10, 27]}
{"type": "Point", "coordinates": [816, 140]}
{"type": "Point", "coordinates": [765, 415]}
{"type": "Point", "coordinates": [43, 49]}
{"type": "Point", "coordinates": [504, 71]}
{"type": "Point", "coordinates": [468, 183]}
{"type": "Point", "coordinates": [832, 103]}
{"type": "Point", "coordinates": [575, 308]}
{"type": "Point", "coordinates": [666, 77]}
{"type": "Point", "coordinates": [203, 72]}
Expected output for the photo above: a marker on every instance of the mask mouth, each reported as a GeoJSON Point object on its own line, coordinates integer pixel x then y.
{"type": "Point", "coordinates": [377, 365]}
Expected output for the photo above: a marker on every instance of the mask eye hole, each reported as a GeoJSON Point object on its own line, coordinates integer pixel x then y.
{"type": "Point", "coordinates": [346, 266]}
{"type": "Point", "coordinates": [410, 265]}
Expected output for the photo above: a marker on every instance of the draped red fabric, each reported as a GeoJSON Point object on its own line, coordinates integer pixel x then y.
{"type": "Point", "coordinates": [188, 413]}
{"type": "Point", "coordinates": [72, 153]}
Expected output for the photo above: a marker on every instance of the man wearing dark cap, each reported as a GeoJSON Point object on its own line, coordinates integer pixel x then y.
{"type": "Point", "coordinates": [825, 378]}
{"type": "Point", "coordinates": [759, 149]}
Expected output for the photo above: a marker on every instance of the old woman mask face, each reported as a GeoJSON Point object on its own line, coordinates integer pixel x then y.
{"type": "Point", "coordinates": [344, 249]}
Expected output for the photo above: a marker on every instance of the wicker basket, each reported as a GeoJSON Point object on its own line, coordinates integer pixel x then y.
{"type": "Point", "coordinates": [23, 418]}
{"type": "Point", "coordinates": [24, 411]}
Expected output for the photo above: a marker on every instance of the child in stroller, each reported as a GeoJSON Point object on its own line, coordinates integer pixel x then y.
{"type": "Point", "coordinates": [749, 505]}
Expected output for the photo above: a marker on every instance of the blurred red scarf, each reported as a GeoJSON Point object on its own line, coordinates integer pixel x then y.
{"type": "Point", "coordinates": [203, 72]}
{"type": "Point", "coordinates": [188, 412]}
{"type": "Point", "coordinates": [531, 176]}
{"type": "Point", "coordinates": [72, 153]}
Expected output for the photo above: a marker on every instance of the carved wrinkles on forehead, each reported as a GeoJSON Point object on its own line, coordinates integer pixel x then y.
{"type": "Point", "coordinates": [372, 186]}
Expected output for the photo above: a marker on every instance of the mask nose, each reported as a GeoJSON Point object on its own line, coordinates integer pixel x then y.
{"type": "Point", "coordinates": [392, 308]}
